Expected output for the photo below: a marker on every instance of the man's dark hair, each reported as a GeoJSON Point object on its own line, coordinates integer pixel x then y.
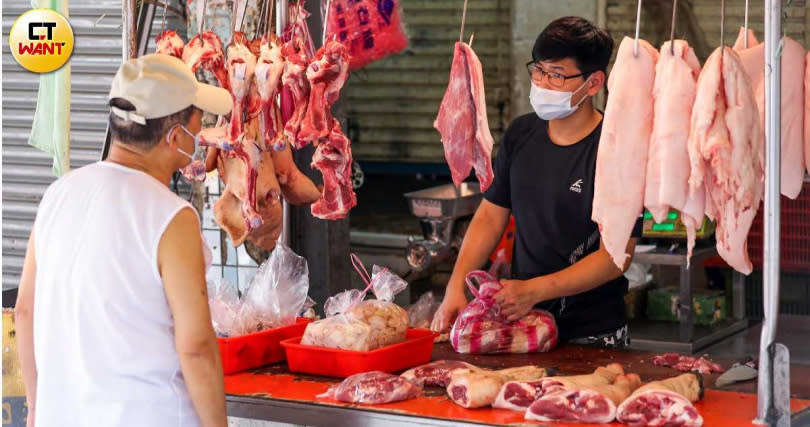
{"type": "Point", "coordinates": [577, 38]}
{"type": "Point", "coordinates": [145, 136]}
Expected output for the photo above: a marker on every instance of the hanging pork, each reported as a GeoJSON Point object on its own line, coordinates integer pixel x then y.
{"type": "Point", "coordinates": [462, 119]}
{"type": "Point", "coordinates": [621, 161]}
{"type": "Point", "coordinates": [792, 103]}
{"type": "Point", "coordinates": [668, 167]}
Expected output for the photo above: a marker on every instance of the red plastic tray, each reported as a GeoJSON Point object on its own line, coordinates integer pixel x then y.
{"type": "Point", "coordinates": [332, 362]}
{"type": "Point", "coordinates": [261, 348]}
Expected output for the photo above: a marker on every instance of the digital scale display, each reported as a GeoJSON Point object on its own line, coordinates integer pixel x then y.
{"type": "Point", "coordinates": [672, 227]}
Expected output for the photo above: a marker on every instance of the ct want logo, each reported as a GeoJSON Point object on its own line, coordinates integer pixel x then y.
{"type": "Point", "coordinates": [41, 40]}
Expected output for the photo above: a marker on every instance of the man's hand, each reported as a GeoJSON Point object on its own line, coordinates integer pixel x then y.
{"type": "Point", "coordinates": [517, 298]}
{"type": "Point", "coordinates": [447, 312]}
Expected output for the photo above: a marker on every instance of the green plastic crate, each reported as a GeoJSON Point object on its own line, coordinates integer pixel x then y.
{"type": "Point", "coordinates": [709, 307]}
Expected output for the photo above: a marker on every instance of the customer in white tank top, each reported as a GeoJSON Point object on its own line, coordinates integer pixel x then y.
{"type": "Point", "coordinates": [112, 316]}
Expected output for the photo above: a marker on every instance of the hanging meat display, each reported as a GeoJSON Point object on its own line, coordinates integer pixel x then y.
{"type": "Point", "coordinates": [274, 110]}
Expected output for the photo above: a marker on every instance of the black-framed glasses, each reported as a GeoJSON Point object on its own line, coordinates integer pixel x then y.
{"type": "Point", "coordinates": [537, 73]}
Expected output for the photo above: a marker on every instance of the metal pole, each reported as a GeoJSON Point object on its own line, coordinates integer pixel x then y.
{"type": "Point", "coordinates": [773, 73]}
{"type": "Point", "coordinates": [130, 45]}
{"type": "Point", "coordinates": [281, 24]}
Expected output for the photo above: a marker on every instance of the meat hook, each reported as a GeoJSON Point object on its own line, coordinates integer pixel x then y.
{"type": "Point", "coordinates": [745, 24]}
{"type": "Point", "coordinates": [463, 20]}
{"type": "Point", "coordinates": [638, 29]}
{"type": "Point", "coordinates": [672, 30]}
{"type": "Point", "coordinates": [163, 19]}
{"type": "Point", "coordinates": [723, 28]}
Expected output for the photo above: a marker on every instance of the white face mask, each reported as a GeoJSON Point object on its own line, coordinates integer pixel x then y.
{"type": "Point", "coordinates": [195, 170]}
{"type": "Point", "coordinates": [553, 104]}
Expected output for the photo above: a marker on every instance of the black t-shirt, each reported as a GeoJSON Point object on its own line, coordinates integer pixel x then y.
{"type": "Point", "coordinates": [549, 189]}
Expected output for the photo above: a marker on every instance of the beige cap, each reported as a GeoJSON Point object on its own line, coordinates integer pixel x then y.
{"type": "Point", "coordinates": [159, 85]}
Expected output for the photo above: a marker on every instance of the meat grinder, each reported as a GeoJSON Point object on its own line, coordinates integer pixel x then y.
{"type": "Point", "coordinates": [441, 211]}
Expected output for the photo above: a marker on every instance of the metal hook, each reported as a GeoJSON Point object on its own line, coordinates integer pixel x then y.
{"type": "Point", "coordinates": [745, 41]}
{"type": "Point", "coordinates": [163, 19]}
{"type": "Point", "coordinates": [672, 30]}
{"type": "Point", "coordinates": [325, 21]}
{"type": "Point", "coordinates": [260, 19]}
{"type": "Point", "coordinates": [638, 29]}
{"type": "Point", "coordinates": [723, 28]}
{"type": "Point", "coordinates": [463, 20]}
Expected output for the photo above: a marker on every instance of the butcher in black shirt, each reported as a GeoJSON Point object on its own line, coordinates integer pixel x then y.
{"type": "Point", "coordinates": [544, 177]}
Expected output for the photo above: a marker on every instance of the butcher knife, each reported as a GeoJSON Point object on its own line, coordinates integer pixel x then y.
{"type": "Point", "coordinates": [741, 371]}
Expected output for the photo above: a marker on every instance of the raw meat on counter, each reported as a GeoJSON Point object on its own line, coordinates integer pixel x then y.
{"type": "Point", "coordinates": [373, 388]}
{"type": "Point", "coordinates": [481, 328]}
{"type": "Point", "coordinates": [687, 363]}
{"type": "Point", "coordinates": [726, 153]}
{"type": "Point", "coordinates": [435, 373]}
{"type": "Point", "coordinates": [476, 388]}
{"type": "Point", "coordinates": [519, 395]}
{"type": "Point", "coordinates": [591, 404]}
{"type": "Point", "coordinates": [420, 313]}
{"type": "Point", "coordinates": [462, 119]}
{"type": "Point", "coordinates": [326, 74]}
{"type": "Point", "coordinates": [792, 103]}
{"type": "Point", "coordinates": [621, 161]}
{"type": "Point", "coordinates": [668, 167]}
{"type": "Point", "coordinates": [667, 402]}
{"type": "Point", "coordinates": [170, 43]}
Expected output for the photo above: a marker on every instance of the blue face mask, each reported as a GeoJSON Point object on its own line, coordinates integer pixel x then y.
{"type": "Point", "coordinates": [195, 170]}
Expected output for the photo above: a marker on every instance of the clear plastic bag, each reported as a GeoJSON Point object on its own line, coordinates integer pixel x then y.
{"type": "Point", "coordinates": [481, 329]}
{"type": "Point", "coordinates": [421, 313]}
{"type": "Point", "coordinates": [224, 304]}
{"type": "Point", "coordinates": [277, 293]}
{"type": "Point", "coordinates": [371, 29]}
{"type": "Point", "coordinates": [373, 388]}
{"type": "Point", "coordinates": [354, 324]}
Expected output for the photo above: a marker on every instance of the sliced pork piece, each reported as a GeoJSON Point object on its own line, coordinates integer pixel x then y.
{"type": "Point", "coordinates": [792, 102]}
{"type": "Point", "coordinates": [241, 64]}
{"type": "Point", "coordinates": [462, 119]}
{"type": "Point", "coordinates": [594, 404]}
{"type": "Point", "coordinates": [435, 373]}
{"type": "Point", "coordinates": [519, 395]}
{"type": "Point", "coordinates": [667, 402]}
{"type": "Point", "coordinates": [476, 388]}
{"type": "Point", "coordinates": [333, 158]}
{"type": "Point", "coordinates": [373, 388]}
{"type": "Point", "coordinates": [668, 164]}
{"type": "Point", "coordinates": [726, 153]}
{"type": "Point", "coordinates": [326, 74]}
{"type": "Point", "coordinates": [170, 43]}
{"type": "Point", "coordinates": [621, 161]}
{"type": "Point", "coordinates": [269, 67]}
{"type": "Point", "coordinates": [294, 80]}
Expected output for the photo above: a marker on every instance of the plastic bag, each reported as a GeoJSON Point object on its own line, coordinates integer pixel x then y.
{"type": "Point", "coordinates": [480, 328]}
{"type": "Point", "coordinates": [354, 324]}
{"type": "Point", "coordinates": [277, 293]}
{"type": "Point", "coordinates": [373, 387]}
{"type": "Point", "coordinates": [223, 301]}
{"type": "Point", "coordinates": [421, 313]}
{"type": "Point", "coordinates": [372, 29]}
